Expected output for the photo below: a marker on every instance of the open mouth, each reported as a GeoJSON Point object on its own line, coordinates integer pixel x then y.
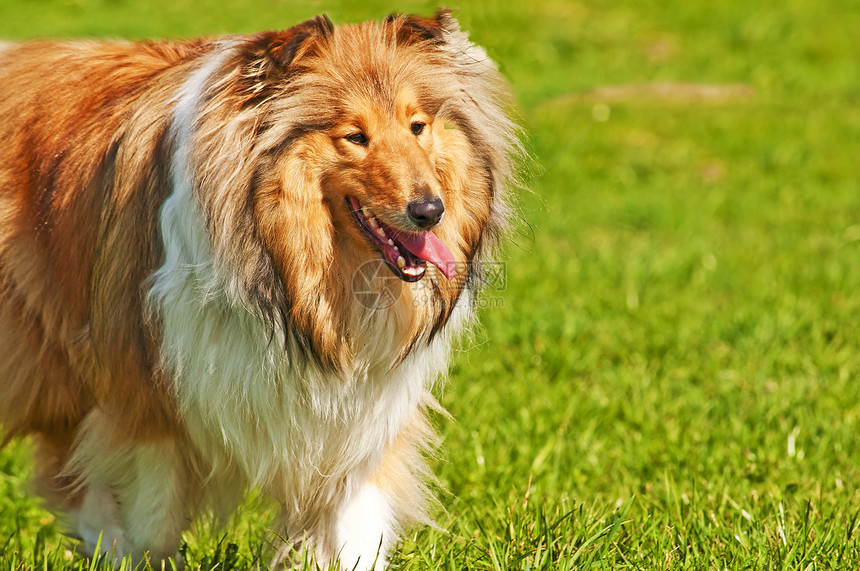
{"type": "Point", "coordinates": [406, 253]}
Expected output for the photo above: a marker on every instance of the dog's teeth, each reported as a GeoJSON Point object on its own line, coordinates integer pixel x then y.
{"type": "Point", "coordinates": [366, 212]}
{"type": "Point", "coordinates": [391, 243]}
{"type": "Point", "coordinates": [381, 232]}
{"type": "Point", "coordinates": [401, 262]}
{"type": "Point", "coordinates": [396, 249]}
{"type": "Point", "coordinates": [373, 222]}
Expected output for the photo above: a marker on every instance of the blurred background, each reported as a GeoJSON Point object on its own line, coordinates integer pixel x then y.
{"type": "Point", "coordinates": [666, 376]}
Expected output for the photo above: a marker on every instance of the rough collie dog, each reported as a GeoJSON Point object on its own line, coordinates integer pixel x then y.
{"type": "Point", "coordinates": [242, 262]}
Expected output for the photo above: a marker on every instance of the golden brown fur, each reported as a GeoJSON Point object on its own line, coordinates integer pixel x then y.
{"type": "Point", "coordinates": [117, 156]}
{"type": "Point", "coordinates": [78, 238]}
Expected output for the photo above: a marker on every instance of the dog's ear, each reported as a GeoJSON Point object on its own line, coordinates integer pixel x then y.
{"type": "Point", "coordinates": [267, 57]}
{"type": "Point", "coordinates": [272, 51]}
{"type": "Point", "coordinates": [446, 22]}
{"type": "Point", "coordinates": [415, 29]}
{"type": "Point", "coordinates": [289, 47]}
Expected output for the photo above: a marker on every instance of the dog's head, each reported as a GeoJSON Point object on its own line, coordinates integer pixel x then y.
{"type": "Point", "coordinates": [385, 142]}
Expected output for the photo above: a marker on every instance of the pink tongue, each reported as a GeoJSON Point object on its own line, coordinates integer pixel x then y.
{"type": "Point", "coordinates": [430, 249]}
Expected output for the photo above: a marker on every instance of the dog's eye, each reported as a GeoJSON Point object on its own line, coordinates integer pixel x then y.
{"type": "Point", "coordinates": [358, 139]}
{"type": "Point", "coordinates": [417, 128]}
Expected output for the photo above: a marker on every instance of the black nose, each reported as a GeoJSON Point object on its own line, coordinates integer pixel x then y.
{"type": "Point", "coordinates": [426, 213]}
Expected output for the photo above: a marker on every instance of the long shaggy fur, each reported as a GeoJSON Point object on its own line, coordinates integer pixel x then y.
{"type": "Point", "coordinates": [179, 268]}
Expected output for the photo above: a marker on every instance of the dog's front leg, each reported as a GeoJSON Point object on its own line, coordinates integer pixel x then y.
{"type": "Point", "coordinates": [365, 529]}
{"type": "Point", "coordinates": [357, 532]}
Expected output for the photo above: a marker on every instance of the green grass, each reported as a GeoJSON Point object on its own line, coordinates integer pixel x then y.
{"type": "Point", "coordinates": [669, 378]}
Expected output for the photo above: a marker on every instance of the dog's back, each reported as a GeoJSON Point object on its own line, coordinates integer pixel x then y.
{"type": "Point", "coordinates": [65, 215]}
